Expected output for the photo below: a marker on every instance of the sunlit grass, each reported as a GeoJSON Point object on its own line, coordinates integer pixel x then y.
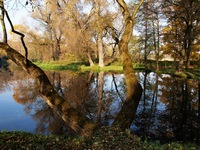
{"type": "Point", "coordinates": [58, 66]}
{"type": "Point", "coordinates": [112, 67]}
{"type": "Point", "coordinates": [193, 73]}
{"type": "Point", "coordinates": [82, 67]}
{"type": "Point", "coordinates": [96, 68]}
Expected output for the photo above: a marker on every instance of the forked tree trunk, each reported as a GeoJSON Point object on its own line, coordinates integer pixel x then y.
{"type": "Point", "coordinates": [74, 119]}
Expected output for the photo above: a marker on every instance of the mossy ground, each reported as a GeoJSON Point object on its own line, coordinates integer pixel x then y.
{"type": "Point", "coordinates": [106, 138]}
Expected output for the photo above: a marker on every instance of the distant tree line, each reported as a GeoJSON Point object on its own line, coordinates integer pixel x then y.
{"type": "Point", "coordinates": [90, 30]}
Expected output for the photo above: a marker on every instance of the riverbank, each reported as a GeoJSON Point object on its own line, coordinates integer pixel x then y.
{"type": "Point", "coordinates": [192, 73]}
{"type": "Point", "coordinates": [80, 66]}
{"type": "Point", "coordinates": [104, 138]}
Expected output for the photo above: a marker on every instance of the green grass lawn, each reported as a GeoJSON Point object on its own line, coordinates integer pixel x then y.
{"type": "Point", "coordinates": [57, 66]}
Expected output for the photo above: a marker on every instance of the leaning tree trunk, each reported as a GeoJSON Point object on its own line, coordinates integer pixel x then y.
{"type": "Point", "coordinates": [74, 119]}
{"type": "Point", "coordinates": [134, 90]}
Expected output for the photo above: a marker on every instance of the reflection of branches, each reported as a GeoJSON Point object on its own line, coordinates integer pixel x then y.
{"type": "Point", "coordinates": [117, 88]}
{"type": "Point", "coordinates": [57, 83]}
{"type": "Point", "coordinates": [4, 78]}
{"type": "Point", "coordinates": [44, 116]}
{"type": "Point", "coordinates": [154, 97]}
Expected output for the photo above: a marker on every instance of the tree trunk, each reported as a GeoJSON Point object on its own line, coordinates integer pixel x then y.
{"type": "Point", "coordinates": [2, 22]}
{"type": "Point", "coordinates": [134, 90]}
{"type": "Point", "coordinates": [90, 59]}
{"type": "Point", "coordinates": [187, 65]}
{"type": "Point", "coordinates": [74, 119]}
{"type": "Point", "coordinates": [100, 50]}
{"type": "Point", "coordinates": [146, 35]}
{"type": "Point", "coordinates": [57, 48]}
{"type": "Point", "coordinates": [180, 66]}
{"type": "Point", "coordinates": [158, 43]}
{"type": "Point", "coordinates": [99, 33]}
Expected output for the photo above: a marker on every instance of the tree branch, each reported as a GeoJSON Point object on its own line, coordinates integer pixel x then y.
{"type": "Point", "coordinates": [136, 9]}
{"type": "Point", "coordinates": [16, 32]}
{"type": "Point", "coordinates": [124, 7]}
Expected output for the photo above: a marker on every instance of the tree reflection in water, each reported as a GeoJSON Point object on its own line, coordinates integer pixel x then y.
{"type": "Point", "coordinates": [86, 92]}
{"type": "Point", "coordinates": [173, 113]}
{"type": "Point", "coordinates": [169, 109]}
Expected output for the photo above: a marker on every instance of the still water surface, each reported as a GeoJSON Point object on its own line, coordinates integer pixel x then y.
{"type": "Point", "coordinates": [169, 108]}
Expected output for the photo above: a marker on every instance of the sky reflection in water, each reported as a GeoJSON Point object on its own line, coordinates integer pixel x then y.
{"type": "Point", "coordinates": [12, 114]}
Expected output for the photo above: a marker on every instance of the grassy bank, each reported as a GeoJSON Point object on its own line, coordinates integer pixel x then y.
{"type": "Point", "coordinates": [82, 66]}
{"type": "Point", "coordinates": [58, 65]}
{"type": "Point", "coordinates": [193, 73]}
{"type": "Point", "coordinates": [104, 138]}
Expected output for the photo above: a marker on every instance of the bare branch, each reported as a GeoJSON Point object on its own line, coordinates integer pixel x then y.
{"type": "Point", "coordinates": [136, 9]}
{"type": "Point", "coordinates": [16, 32]}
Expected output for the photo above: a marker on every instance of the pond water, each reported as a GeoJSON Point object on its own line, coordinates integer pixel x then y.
{"type": "Point", "coordinates": [169, 108]}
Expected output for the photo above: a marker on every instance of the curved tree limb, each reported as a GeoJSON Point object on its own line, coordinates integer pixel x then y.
{"type": "Point", "coordinates": [136, 9]}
